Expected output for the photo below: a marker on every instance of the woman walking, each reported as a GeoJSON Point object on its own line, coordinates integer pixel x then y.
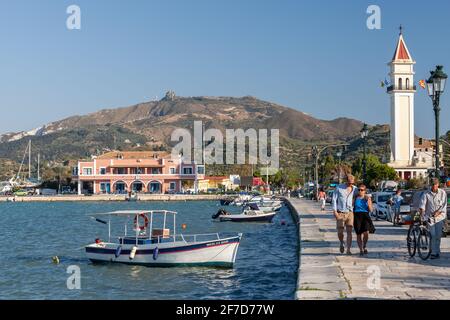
{"type": "Point", "coordinates": [362, 222]}
{"type": "Point", "coordinates": [322, 198]}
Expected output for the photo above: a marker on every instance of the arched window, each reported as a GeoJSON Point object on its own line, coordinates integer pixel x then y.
{"type": "Point", "coordinates": [400, 84]}
{"type": "Point", "coordinates": [407, 83]}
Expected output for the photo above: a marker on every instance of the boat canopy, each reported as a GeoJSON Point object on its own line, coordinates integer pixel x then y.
{"type": "Point", "coordinates": [133, 212]}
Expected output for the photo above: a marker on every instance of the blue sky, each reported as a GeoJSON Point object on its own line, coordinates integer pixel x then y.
{"type": "Point", "coordinates": [314, 56]}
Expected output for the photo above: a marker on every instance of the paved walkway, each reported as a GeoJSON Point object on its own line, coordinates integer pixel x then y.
{"type": "Point", "coordinates": [326, 274]}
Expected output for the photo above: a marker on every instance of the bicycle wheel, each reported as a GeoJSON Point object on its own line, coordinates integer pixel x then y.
{"type": "Point", "coordinates": [424, 244]}
{"type": "Point", "coordinates": [411, 241]}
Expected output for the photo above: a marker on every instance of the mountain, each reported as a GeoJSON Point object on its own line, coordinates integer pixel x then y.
{"type": "Point", "coordinates": [149, 126]}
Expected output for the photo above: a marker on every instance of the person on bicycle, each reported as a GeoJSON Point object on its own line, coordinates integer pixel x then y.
{"type": "Point", "coordinates": [322, 198]}
{"type": "Point", "coordinates": [433, 208]}
{"type": "Point", "coordinates": [362, 205]}
{"type": "Point", "coordinates": [397, 200]}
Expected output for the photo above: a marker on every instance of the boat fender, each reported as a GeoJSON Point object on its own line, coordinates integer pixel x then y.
{"type": "Point", "coordinates": [118, 251]}
{"type": "Point", "coordinates": [55, 260]}
{"type": "Point", "coordinates": [133, 252]}
{"type": "Point", "coordinates": [155, 253]}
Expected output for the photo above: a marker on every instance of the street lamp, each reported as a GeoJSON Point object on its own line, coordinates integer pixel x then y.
{"type": "Point", "coordinates": [436, 86]}
{"type": "Point", "coordinates": [339, 155]}
{"type": "Point", "coordinates": [364, 133]}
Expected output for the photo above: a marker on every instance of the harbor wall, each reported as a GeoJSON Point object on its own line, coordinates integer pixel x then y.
{"type": "Point", "coordinates": [106, 197]}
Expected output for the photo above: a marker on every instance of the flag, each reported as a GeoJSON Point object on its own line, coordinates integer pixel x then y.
{"type": "Point", "coordinates": [382, 84]}
{"type": "Point", "coordinates": [422, 84]}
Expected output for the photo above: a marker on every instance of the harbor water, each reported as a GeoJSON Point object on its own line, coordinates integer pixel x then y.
{"type": "Point", "coordinates": [32, 233]}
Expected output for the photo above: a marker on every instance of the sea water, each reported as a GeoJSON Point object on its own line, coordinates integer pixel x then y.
{"type": "Point", "coordinates": [32, 233]}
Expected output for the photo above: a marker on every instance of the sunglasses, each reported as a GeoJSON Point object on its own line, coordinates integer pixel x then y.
{"type": "Point", "coordinates": [361, 190]}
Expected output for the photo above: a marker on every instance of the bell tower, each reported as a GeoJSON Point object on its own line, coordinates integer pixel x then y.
{"type": "Point", "coordinates": [401, 91]}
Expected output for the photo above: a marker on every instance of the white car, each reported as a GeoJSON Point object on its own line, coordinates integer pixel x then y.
{"type": "Point", "coordinates": [381, 209]}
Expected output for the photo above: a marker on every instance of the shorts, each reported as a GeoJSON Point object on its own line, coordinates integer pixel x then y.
{"type": "Point", "coordinates": [344, 220]}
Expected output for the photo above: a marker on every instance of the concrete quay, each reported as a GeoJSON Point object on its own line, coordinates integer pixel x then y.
{"type": "Point", "coordinates": [387, 272]}
{"type": "Point", "coordinates": [106, 197]}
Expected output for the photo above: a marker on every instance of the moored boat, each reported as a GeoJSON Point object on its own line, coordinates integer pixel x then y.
{"type": "Point", "coordinates": [247, 215]}
{"type": "Point", "coordinates": [161, 247]}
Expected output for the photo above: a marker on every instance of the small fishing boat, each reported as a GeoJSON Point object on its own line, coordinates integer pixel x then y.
{"type": "Point", "coordinates": [151, 246]}
{"type": "Point", "coordinates": [247, 215]}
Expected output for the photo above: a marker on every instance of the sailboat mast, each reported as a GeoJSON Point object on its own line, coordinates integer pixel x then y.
{"type": "Point", "coordinates": [38, 167]}
{"type": "Point", "coordinates": [29, 159]}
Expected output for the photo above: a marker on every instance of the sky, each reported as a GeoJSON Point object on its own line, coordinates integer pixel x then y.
{"type": "Point", "coordinates": [318, 57]}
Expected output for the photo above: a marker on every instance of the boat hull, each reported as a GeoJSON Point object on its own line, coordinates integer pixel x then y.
{"type": "Point", "coordinates": [266, 217]}
{"type": "Point", "coordinates": [217, 253]}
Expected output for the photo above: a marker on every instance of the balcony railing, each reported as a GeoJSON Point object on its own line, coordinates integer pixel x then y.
{"type": "Point", "coordinates": [396, 87]}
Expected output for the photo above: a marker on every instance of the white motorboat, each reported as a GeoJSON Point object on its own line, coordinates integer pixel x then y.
{"type": "Point", "coordinates": [158, 247]}
{"type": "Point", "coordinates": [247, 215]}
{"type": "Point", "coordinates": [257, 206]}
{"type": "Point", "coordinates": [260, 201]}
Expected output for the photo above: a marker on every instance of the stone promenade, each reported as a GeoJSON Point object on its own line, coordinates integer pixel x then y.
{"type": "Point", "coordinates": [387, 272]}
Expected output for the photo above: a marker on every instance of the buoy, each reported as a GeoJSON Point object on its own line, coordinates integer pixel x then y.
{"type": "Point", "coordinates": [55, 260]}
{"type": "Point", "coordinates": [184, 226]}
{"type": "Point", "coordinates": [155, 253]}
{"type": "Point", "coordinates": [133, 252]}
{"type": "Point", "coordinates": [118, 251]}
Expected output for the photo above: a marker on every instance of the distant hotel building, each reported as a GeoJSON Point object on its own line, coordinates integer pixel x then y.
{"type": "Point", "coordinates": [139, 171]}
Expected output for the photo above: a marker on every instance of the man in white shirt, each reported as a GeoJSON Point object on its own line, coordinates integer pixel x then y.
{"type": "Point", "coordinates": [342, 203]}
{"type": "Point", "coordinates": [433, 207]}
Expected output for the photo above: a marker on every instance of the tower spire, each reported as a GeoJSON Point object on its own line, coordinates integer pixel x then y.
{"type": "Point", "coordinates": [401, 30]}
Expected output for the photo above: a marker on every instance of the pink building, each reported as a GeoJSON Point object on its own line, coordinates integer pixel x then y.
{"type": "Point", "coordinates": [139, 171]}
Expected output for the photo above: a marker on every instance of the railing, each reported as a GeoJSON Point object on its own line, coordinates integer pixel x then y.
{"type": "Point", "coordinates": [396, 87]}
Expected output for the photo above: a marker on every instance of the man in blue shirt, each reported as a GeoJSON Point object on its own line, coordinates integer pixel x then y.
{"type": "Point", "coordinates": [342, 203]}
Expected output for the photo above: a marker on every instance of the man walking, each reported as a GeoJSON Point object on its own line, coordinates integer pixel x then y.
{"type": "Point", "coordinates": [433, 208]}
{"type": "Point", "coordinates": [342, 203]}
{"type": "Point", "coordinates": [397, 200]}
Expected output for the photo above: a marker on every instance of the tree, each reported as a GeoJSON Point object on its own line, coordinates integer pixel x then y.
{"type": "Point", "coordinates": [375, 170]}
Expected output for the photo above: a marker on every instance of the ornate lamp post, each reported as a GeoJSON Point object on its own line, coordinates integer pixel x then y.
{"type": "Point", "coordinates": [436, 86]}
{"type": "Point", "coordinates": [364, 133]}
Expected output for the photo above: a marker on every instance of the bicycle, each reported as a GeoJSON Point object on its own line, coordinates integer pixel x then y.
{"type": "Point", "coordinates": [419, 238]}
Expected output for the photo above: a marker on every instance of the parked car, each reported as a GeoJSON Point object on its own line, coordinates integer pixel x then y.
{"type": "Point", "coordinates": [47, 192]}
{"type": "Point", "coordinates": [329, 196]}
{"type": "Point", "coordinates": [21, 193]}
{"type": "Point", "coordinates": [380, 204]}
{"type": "Point", "coordinates": [67, 190]}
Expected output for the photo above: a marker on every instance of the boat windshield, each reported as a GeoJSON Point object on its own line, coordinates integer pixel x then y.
{"type": "Point", "coordinates": [152, 224]}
